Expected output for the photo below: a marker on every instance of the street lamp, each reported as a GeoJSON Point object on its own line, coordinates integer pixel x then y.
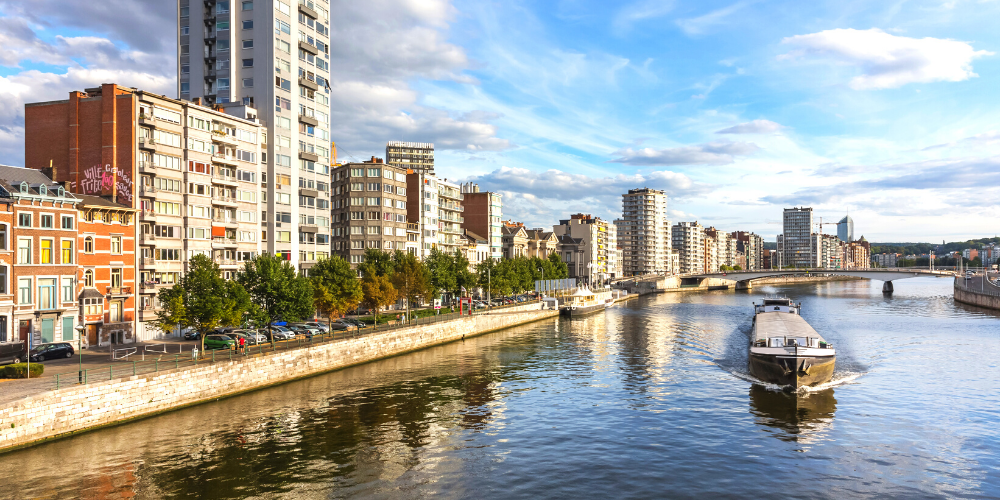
{"type": "Point", "coordinates": [79, 350]}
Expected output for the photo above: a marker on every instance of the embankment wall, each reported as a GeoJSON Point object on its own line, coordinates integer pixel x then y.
{"type": "Point", "coordinates": [73, 409]}
{"type": "Point", "coordinates": [976, 299]}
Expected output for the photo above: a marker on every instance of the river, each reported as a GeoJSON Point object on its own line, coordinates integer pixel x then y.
{"type": "Point", "coordinates": [649, 399]}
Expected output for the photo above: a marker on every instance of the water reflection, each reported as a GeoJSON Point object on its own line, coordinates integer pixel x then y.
{"type": "Point", "coordinates": [799, 417]}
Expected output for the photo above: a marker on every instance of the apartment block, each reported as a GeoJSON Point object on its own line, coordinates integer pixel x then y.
{"type": "Point", "coordinates": [689, 241]}
{"type": "Point", "coordinates": [415, 156]}
{"type": "Point", "coordinates": [797, 242]}
{"type": "Point", "coordinates": [273, 55]}
{"type": "Point", "coordinates": [827, 251]}
{"type": "Point", "coordinates": [369, 209]}
{"type": "Point", "coordinates": [515, 240]}
{"type": "Point", "coordinates": [192, 173]}
{"type": "Point", "coordinates": [752, 247]}
{"type": "Point", "coordinates": [422, 210]}
{"type": "Point", "coordinates": [107, 271]}
{"type": "Point", "coordinates": [450, 216]}
{"type": "Point", "coordinates": [483, 214]}
{"type": "Point", "coordinates": [644, 232]}
{"type": "Point", "coordinates": [596, 246]}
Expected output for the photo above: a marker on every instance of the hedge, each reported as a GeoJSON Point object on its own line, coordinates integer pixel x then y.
{"type": "Point", "coordinates": [18, 370]}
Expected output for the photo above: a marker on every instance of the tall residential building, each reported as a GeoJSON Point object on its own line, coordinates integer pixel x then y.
{"type": "Point", "coordinates": [274, 55]}
{"type": "Point", "coordinates": [689, 241]}
{"type": "Point", "coordinates": [845, 229]}
{"type": "Point", "coordinates": [192, 172]}
{"type": "Point", "coordinates": [422, 209]}
{"type": "Point", "coordinates": [450, 233]}
{"type": "Point", "coordinates": [369, 209]}
{"type": "Point", "coordinates": [857, 254]}
{"type": "Point", "coordinates": [596, 247]}
{"type": "Point", "coordinates": [752, 247]}
{"type": "Point", "coordinates": [483, 213]}
{"type": "Point", "coordinates": [827, 251]}
{"type": "Point", "coordinates": [725, 248]}
{"type": "Point", "coordinates": [644, 232]}
{"type": "Point", "coordinates": [797, 237]}
{"type": "Point", "coordinates": [415, 156]}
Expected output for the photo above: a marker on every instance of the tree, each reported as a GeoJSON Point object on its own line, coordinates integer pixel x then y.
{"type": "Point", "coordinates": [560, 270]}
{"type": "Point", "coordinates": [202, 300]}
{"type": "Point", "coordinates": [376, 263]}
{"type": "Point", "coordinates": [441, 267]}
{"type": "Point", "coordinates": [276, 291]}
{"type": "Point", "coordinates": [410, 278]}
{"type": "Point", "coordinates": [336, 288]}
{"type": "Point", "coordinates": [463, 277]}
{"type": "Point", "coordinates": [378, 293]}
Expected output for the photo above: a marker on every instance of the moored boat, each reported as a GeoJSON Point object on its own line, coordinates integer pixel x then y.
{"type": "Point", "coordinates": [785, 350]}
{"type": "Point", "coordinates": [584, 301]}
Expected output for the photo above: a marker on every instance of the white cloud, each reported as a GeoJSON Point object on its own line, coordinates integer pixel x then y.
{"type": "Point", "coordinates": [888, 61]}
{"type": "Point", "coordinates": [558, 185]}
{"type": "Point", "coordinates": [699, 25]}
{"type": "Point", "coordinates": [752, 127]}
{"type": "Point", "coordinates": [639, 11]}
{"type": "Point", "coordinates": [713, 153]}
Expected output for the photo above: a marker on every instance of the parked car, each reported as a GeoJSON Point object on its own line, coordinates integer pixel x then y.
{"type": "Point", "coordinates": [54, 350]}
{"type": "Point", "coordinates": [316, 325]}
{"type": "Point", "coordinates": [276, 333]}
{"type": "Point", "coordinates": [192, 335]}
{"type": "Point", "coordinates": [218, 341]}
{"type": "Point", "coordinates": [346, 324]}
{"type": "Point", "coordinates": [12, 353]}
{"type": "Point", "coordinates": [237, 334]}
{"type": "Point", "coordinates": [253, 336]}
{"type": "Point", "coordinates": [301, 330]}
{"type": "Point", "coordinates": [289, 333]}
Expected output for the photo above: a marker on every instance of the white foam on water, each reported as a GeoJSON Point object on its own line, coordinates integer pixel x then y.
{"type": "Point", "coordinates": [838, 379]}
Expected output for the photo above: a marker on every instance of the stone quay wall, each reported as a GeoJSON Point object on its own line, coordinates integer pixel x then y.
{"type": "Point", "coordinates": [988, 298]}
{"type": "Point", "coordinates": [78, 408]}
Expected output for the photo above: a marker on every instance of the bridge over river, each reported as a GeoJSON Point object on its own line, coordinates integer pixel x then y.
{"type": "Point", "coordinates": [887, 275]}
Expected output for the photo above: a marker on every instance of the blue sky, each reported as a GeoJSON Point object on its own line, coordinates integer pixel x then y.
{"type": "Point", "coordinates": [736, 109]}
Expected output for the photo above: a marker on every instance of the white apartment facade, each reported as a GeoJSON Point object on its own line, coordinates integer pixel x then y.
{"type": "Point", "coordinates": [273, 55]}
{"type": "Point", "coordinates": [689, 241]}
{"type": "Point", "coordinates": [644, 232]}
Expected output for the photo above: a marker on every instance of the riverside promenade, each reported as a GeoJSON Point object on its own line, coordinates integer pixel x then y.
{"type": "Point", "coordinates": [977, 291]}
{"type": "Point", "coordinates": [80, 407]}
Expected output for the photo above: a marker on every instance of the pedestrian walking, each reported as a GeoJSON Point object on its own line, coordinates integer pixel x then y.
{"type": "Point", "coordinates": [243, 345]}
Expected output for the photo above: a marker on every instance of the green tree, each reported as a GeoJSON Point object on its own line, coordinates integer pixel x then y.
{"type": "Point", "coordinates": [376, 263]}
{"type": "Point", "coordinates": [276, 291]}
{"type": "Point", "coordinates": [410, 278]}
{"type": "Point", "coordinates": [560, 270]}
{"type": "Point", "coordinates": [202, 300]}
{"type": "Point", "coordinates": [378, 293]}
{"type": "Point", "coordinates": [336, 288]}
{"type": "Point", "coordinates": [463, 277]}
{"type": "Point", "coordinates": [441, 267]}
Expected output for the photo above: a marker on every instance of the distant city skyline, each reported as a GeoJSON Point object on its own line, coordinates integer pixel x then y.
{"type": "Point", "coordinates": [735, 110]}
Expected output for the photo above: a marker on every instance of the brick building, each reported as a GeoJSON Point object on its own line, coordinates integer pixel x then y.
{"type": "Point", "coordinates": [482, 214]}
{"type": "Point", "coordinates": [369, 201]}
{"type": "Point", "coordinates": [107, 271]}
{"type": "Point", "coordinates": [38, 227]}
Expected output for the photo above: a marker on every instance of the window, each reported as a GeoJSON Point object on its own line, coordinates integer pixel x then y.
{"type": "Point", "coordinates": [47, 293]}
{"type": "Point", "coordinates": [67, 222]}
{"type": "Point", "coordinates": [24, 251]}
{"type": "Point", "coordinates": [248, 63]}
{"type": "Point", "coordinates": [46, 246]}
{"type": "Point", "coordinates": [47, 221]}
{"type": "Point", "coordinates": [222, 45]}
{"type": "Point", "coordinates": [247, 44]}
{"type": "Point", "coordinates": [247, 25]}
{"type": "Point", "coordinates": [116, 245]}
{"type": "Point", "coordinates": [67, 252]}
{"type": "Point", "coordinates": [3, 279]}
{"type": "Point", "coordinates": [24, 291]}
{"type": "Point", "coordinates": [88, 278]}
{"type": "Point", "coordinates": [93, 307]}
{"type": "Point", "coordinates": [24, 219]}
{"type": "Point", "coordinates": [3, 236]}
{"type": "Point", "coordinates": [248, 5]}
{"type": "Point", "coordinates": [116, 277]}
{"type": "Point", "coordinates": [223, 83]}
{"type": "Point", "coordinates": [248, 83]}
{"type": "Point", "coordinates": [88, 245]}
{"type": "Point", "coordinates": [67, 290]}
{"type": "Point", "coordinates": [185, 88]}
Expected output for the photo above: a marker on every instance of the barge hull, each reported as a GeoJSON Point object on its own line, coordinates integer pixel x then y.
{"type": "Point", "coordinates": [793, 371]}
{"type": "Point", "coordinates": [580, 311]}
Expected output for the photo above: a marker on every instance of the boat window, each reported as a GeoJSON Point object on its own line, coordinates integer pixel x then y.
{"type": "Point", "coordinates": [776, 341]}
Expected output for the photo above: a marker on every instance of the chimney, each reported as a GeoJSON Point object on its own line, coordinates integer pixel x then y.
{"type": "Point", "coordinates": [196, 101]}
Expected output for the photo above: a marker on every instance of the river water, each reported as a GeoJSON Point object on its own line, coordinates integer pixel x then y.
{"type": "Point", "coordinates": [649, 399]}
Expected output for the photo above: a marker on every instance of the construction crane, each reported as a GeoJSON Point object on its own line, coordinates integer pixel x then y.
{"type": "Point", "coordinates": [821, 223]}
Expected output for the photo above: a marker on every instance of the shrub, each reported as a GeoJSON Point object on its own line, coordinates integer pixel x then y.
{"type": "Point", "coordinates": [20, 369]}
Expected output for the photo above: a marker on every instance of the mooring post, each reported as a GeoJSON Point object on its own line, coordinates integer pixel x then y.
{"type": "Point", "coordinates": [887, 288]}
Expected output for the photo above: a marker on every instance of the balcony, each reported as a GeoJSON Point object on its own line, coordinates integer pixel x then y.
{"type": "Point", "coordinates": [219, 199]}
{"type": "Point", "coordinates": [147, 237]}
{"type": "Point", "coordinates": [222, 178]}
{"type": "Point", "coordinates": [148, 286]}
{"type": "Point", "coordinates": [147, 143]}
{"type": "Point", "coordinates": [147, 261]}
{"type": "Point", "coordinates": [147, 215]}
{"type": "Point", "coordinates": [308, 48]}
{"type": "Point", "coordinates": [224, 138]}
{"type": "Point", "coordinates": [223, 242]}
{"type": "Point", "coordinates": [210, 75]}
{"type": "Point", "coordinates": [308, 120]}
{"type": "Point", "coordinates": [305, 155]}
{"type": "Point", "coordinates": [147, 190]}
{"type": "Point", "coordinates": [226, 262]}
{"type": "Point", "coordinates": [224, 159]}
{"type": "Point", "coordinates": [147, 167]}
{"type": "Point", "coordinates": [225, 221]}
{"type": "Point", "coordinates": [306, 8]}
{"type": "Point", "coordinates": [308, 228]}
{"type": "Point", "coordinates": [305, 82]}
{"type": "Point", "coordinates": [119, 290]}
{"type": "Point", "coordinates": [147, 120]}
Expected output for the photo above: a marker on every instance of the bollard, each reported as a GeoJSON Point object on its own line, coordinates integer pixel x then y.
{"type": "Point", "coordinates": [176, 361]}
{"type": "Point", "coordinates": [85, 375]}
{"type": "Point", "coordinates": [213, 355]}
{"type": "Point", "coordinates": [57, 381]}
{"type": "Point", "coordinates": [157, 366]}
{"type": "Point", "coordinates": [111, 372]}
{"type": "Point", "coordinates": [133, 368]}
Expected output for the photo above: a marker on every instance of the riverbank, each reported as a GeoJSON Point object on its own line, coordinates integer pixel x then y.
{"type": "Point", "coordinates": [987, 296]}
{"type": "Point", "coordinates": [58, 413]}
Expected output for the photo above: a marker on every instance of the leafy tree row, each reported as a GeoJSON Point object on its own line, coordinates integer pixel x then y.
{"type": "Point", "coordinates": [518, 275]}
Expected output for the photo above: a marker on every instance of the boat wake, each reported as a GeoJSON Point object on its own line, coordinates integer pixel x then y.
{"type": "Point", "coordinates": [839, 379]}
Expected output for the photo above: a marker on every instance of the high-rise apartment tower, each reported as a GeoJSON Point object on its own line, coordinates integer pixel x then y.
{"type": "Point", "coordinates": [644, 232]}
{"type": "Point", "coordinates": [797, 241]}
{"type": "Point", "coordinates": [273, 55]}
{"type": "Point", "coordinates": [415, 156]}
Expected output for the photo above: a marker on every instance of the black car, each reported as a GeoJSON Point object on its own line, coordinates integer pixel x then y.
{"type": "Point", "coordinates": [301, 330]}
{"type": "Point", "coordinates": [12, 353]}
{"type": "Point", "coordinates": [54, 350]}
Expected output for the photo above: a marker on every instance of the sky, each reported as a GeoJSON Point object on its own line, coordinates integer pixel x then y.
{"type": "Point", "coordinates": [886, 110]}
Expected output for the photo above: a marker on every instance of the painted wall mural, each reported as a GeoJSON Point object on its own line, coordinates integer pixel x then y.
{"type": "Point", "coordinates": [99, 179]}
